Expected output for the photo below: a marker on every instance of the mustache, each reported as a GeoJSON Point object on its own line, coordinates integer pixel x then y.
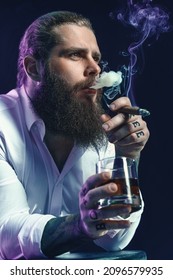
{"type": "Point", "coordinates": [84, 84]}
{"type": "Point", "coordinates": [51, 77]}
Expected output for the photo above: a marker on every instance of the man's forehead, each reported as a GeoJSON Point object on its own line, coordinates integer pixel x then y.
{"type": "Point", "coordinates": [71, 36]}
{"type": "Point", "coordinates": [74, 32]}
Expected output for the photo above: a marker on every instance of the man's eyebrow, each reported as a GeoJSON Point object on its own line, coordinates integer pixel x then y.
{"type": "Point", "coordinates": [78, 49]}
{"type": "Point", "coordinates": [73, 49]}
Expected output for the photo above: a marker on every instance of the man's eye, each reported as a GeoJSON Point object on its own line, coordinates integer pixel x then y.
{"type": "Point", "coordinates": [97, 59]}
{"type": "Point", "coordinates": [75, 55]}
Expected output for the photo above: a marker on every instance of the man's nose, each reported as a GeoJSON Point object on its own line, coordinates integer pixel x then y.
{"type": "Point", "coordinates": [92, 68]}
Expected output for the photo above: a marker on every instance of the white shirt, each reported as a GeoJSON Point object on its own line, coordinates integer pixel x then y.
{"type": "Point", "coordinates": [32, 190]}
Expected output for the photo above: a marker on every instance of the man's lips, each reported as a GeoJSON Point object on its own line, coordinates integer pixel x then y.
{"type": "Point", "coordinates": [89, 91]}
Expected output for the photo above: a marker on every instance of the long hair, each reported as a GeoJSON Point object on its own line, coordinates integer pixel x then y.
{"type": "Point", "coordinates": [39, 38]}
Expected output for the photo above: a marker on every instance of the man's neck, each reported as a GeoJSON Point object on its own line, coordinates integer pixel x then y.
{"type": "Point", "coordinates": [59, 147]}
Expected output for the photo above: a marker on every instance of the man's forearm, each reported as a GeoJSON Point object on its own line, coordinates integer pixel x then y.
{"type": "Point", "coordinates": [62, 234]}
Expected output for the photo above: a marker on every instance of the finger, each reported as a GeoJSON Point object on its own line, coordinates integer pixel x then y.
{"type": "Point", "coordinates": [93, 182]}
{"type": "Point", "coordinates": [109, 212]}
{"type": "Point", "coordinates": [138, 138]}
{"type": "Point", "coordinates": [104, 118]}
{"type": "Point", "coordinates": [93, 196]}
{"type": "Point", "coordinates": [115, 122]}
{"type": "Point", "coordinates": [111, 224]}
{"type": "Point", "coordinates": [119, 103]}
{"type": "Point", "coordinates": [138, 127]}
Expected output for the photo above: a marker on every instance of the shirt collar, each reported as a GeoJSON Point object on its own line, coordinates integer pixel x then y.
{"type": "Point", "coordinates": [31, 118]}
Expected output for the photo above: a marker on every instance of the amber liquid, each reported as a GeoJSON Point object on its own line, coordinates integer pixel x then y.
{"type": "Point", "coordinates": [128, 194]}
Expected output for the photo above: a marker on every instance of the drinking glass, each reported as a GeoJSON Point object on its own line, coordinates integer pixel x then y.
{"type": "Point", "coordinates": [124, 173]}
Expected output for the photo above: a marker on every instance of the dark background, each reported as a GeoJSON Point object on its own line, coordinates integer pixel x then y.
{"type": "Point", "coordinates": [153, 89]}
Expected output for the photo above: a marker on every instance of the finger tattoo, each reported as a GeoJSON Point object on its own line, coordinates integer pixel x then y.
{"type": "Point", "coordinates": [136, 123]}
{"type": "Point", "coordinates": [100, 226]}
{"type": "Point", "coordinates": [93, 215]}
{"type": "Point", "coordinates": [139, 134]}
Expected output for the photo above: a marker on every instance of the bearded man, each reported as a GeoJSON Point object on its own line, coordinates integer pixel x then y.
{"type": "Point", "coordinates": [53, 131]}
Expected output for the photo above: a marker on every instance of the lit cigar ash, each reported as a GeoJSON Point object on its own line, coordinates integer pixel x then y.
{"type": "Point", "coordinates": [108, 79]}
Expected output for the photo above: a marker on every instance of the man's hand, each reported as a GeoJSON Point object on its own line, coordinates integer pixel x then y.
{"type": "Point", "coordinates": [128, 133]}
{"type": "Point", "coordinates": [96, 222]}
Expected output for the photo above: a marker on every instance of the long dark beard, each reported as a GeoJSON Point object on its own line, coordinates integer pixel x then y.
{"type": "Point", "coordinates": [56, 102]}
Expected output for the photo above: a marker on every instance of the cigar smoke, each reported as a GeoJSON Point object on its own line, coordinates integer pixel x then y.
{"type": "Point", "coordinates": [147, 21]}
{"type": "Point", "coordinates": [108, 79]}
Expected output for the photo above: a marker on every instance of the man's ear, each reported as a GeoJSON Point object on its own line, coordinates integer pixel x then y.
{"type": "Point", "coordinates": [31, 68]}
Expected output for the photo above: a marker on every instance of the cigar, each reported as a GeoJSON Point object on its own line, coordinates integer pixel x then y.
{"type": "Point", "coordinates": [134, 111]}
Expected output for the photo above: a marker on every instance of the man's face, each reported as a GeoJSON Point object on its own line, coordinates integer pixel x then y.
{"type": "Point", "coordinates": [63, 98]}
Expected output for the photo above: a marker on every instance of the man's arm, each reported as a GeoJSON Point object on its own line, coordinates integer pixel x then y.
{"type": "Point", "coordinates": [62, 234]}
{"type": "Point", "coordinates": [67, 233]}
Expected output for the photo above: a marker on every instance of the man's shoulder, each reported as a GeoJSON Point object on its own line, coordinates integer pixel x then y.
{"type": "Point", "coordinates": [11, 114]}
{"type": "Point", "coordinates": [9, 100]}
